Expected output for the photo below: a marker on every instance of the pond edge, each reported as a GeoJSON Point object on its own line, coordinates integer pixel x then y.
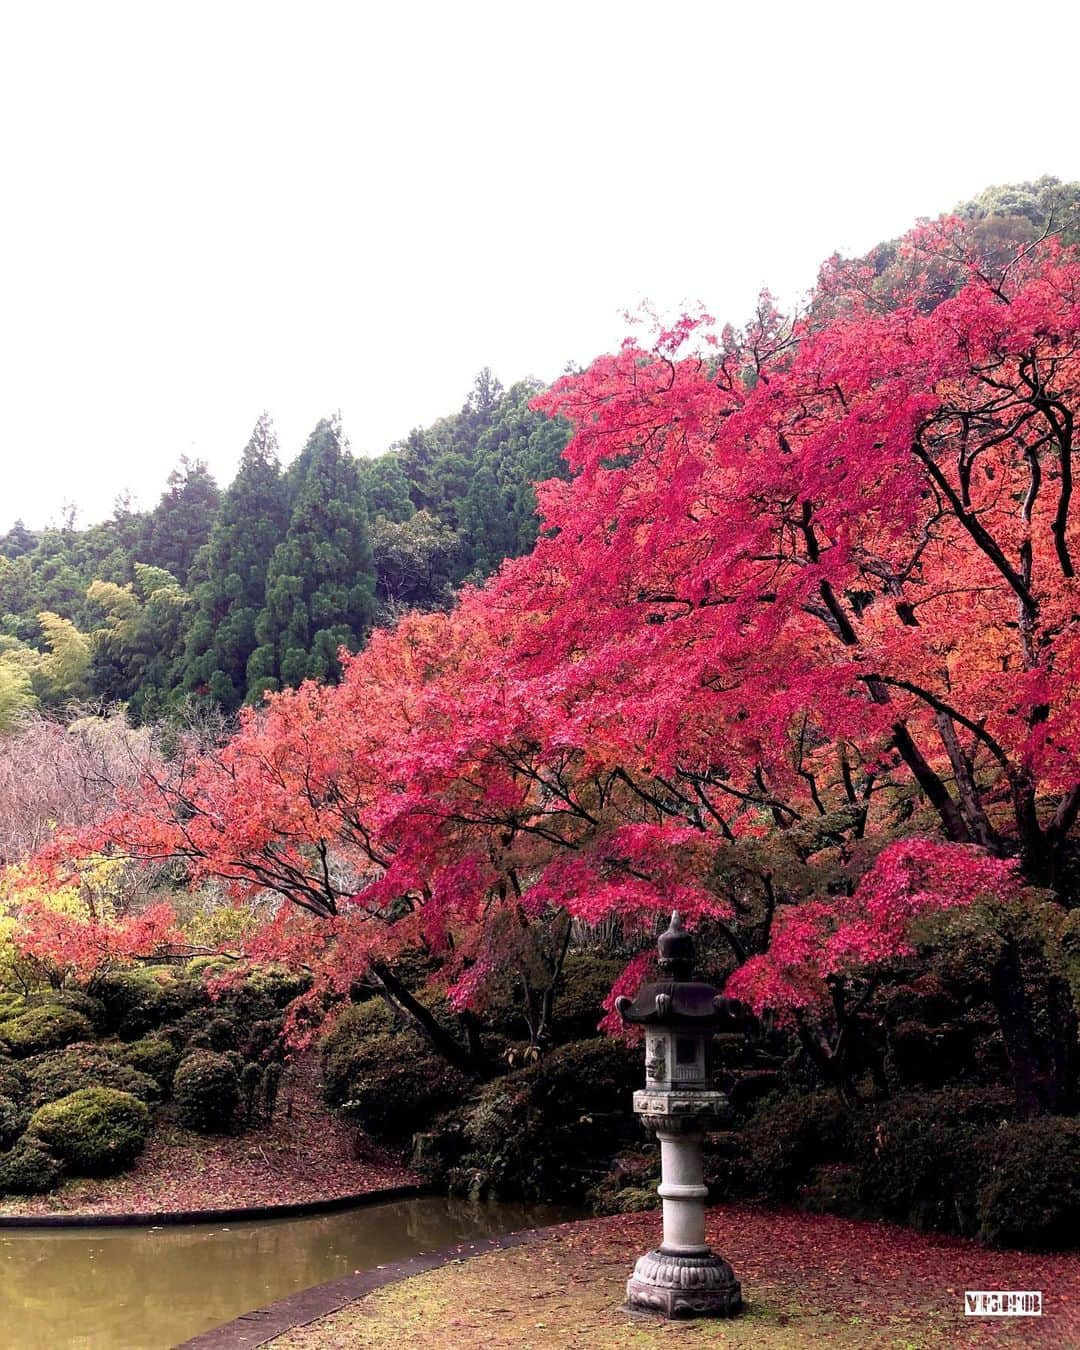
{"type": "Point", "coordinates": [261, 1325]}
{"type": "Point", "coordinates": [293, 1210]}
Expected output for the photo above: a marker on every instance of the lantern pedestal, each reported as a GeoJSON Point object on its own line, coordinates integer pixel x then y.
{"type": "Point", "coordinates": [683, 1277]}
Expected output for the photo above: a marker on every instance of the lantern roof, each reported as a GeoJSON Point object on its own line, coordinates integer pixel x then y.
{"type": "Point", "coordinates": [677, 1001]}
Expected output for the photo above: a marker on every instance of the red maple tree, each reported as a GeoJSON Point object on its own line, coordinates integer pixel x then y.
{"type": "Point", "coordinates": [797, 652]}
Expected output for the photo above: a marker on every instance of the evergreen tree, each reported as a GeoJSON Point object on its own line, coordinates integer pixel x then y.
{"type": "Point", "coordinates": [386, 488]}
{"type": "Point", "coordinates": [320, 585]}
{"type": "Point", "coordinates": [17, 542]}
{"type": "Point", "coordinates": [231, 573]}
{"type": "Point", "coordinates": [180, 523]}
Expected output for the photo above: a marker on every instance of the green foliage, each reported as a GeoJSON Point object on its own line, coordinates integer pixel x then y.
{"type": "Point", "coordinates": [46, 1027]}
{"type": "Point", "coordinates": [206, 1091]}
{"type": "Point", "coordinates": [918, 1159]}
{"type": "Point", "coordinates": [13, 1119]}
{"type": "Point", "coordinates": [13, 1080]}
{"type": "Point", "coordinates": [222, 596]}
{"type": "Point", "coordinates": [248, 527]}
{"type": "Point", "coordinates": [220, 1034]}
{"type": "Point", "coordinates": [95, 1131]}
{"type": "Point", "coordinates": [320, 587]}
{"type": "Point", "coordinates": [788, 1137]}
{"type": "Point", "coordinates": [154, 1056]}
{"type": "Point", "coordinates": [62, 1072]}
{"type": "Point", "coordinates": [341, 1051]}
{"type": "Point", "coordinates": [77, 999]}
{"type": "Point", "coordinates": [138, 1001]}
{"type": "Point", "coordinates": [586, 981]}
{"type": "Point", "coordinates": [397, 1084]}
{"type": "Point", "coordinates": [549, 1131]}
{"type": "Point", "coordinates": [30, 1168]}
{"type": "Point", "coordinates": [135, 648]}
{"type": "Point", "coordinates": [180, 523]}
{"type": "Point", "coordinates": [1030, 1191]}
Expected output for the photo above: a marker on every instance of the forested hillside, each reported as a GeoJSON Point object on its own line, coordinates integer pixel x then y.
{"type": "Point", "coordinates": [222, 595]}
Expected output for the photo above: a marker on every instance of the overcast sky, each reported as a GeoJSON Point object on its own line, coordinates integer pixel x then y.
{"type": "Point", "coordinates": [209, 209]}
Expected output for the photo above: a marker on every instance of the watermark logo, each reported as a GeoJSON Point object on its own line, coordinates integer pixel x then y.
{"type": "Point", "coordinates": [1003, 1303]}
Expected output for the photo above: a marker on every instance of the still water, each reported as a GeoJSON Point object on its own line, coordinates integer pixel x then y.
{"type": "Point", "coordinates": [150, 1288]}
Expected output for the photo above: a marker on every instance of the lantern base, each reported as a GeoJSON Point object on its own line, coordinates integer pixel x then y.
{"type": "Point", "coordinates": [683, 1286]}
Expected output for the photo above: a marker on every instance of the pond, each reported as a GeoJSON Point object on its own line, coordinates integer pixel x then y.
{"type": "Point", "coordinates": [150, 1288]}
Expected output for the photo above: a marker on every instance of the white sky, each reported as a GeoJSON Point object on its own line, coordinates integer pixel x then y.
{"type": "Point", "coordinates": [213, 208]}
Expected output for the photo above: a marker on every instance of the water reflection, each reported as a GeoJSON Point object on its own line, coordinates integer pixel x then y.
{"type": "Point", "coordinates": [145, 1289]}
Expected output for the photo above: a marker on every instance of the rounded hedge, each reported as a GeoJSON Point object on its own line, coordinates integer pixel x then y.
{"type": "Point", "coordinates": [29, 1169]}
{"type": "Point", "coordinates": [95, 1131]}
{"type": "Point", "coordinates": [341, 1052]}
{"type": "Point", "coordinates": [49, 1026]}
{"type": "Point", "coordinates": [1030, 1193]}
{"type": "Point", "coordinates": [12, 1080]}
{"type": "Point", "coordinates": [396, 1084]}
{"type": "Point", "coordinates": [139, 1001]}
{"type": "Point", "coordinates": [62, 1072]}
{"type": "Point", "coordinates": [206, 1090]}
{"type": "Point", "coordinates": [155, 1056]}
{"type": "Point", "coordinates": [549, 1131]}
{"type": "Point", "coordinates": [76, 999]}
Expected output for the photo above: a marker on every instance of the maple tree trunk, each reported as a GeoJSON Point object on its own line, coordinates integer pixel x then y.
{"type": "Point", "coordinates": [833, 1067]}
{"type": "Point", "coordinates": [468, 1057]}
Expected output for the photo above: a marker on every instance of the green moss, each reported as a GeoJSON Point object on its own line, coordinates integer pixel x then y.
{"type": "Point", "coordinates": [155, 1056]}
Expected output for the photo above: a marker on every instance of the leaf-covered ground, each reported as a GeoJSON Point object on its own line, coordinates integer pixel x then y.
{"type": "Point", "coordinates": [306, 1155]}
{"type": "Point", "coordinates": [807, 1280]}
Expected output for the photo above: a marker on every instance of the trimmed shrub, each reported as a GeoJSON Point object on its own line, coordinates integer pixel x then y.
{"type": "Point", "coordinates": [549, 1131]}
{"type": "Point", "coordinates": [264, 992]}
{"type": "Point", "coordinates": [139, 1001]}
{"type": "Point", "coordinates": [95, 1131]}
{"type": "Point", "coordinates": [833, 1189]}
{"type": "Point", "coordinates": [787, 1138]}
{"type": "Point", "coordinates": [396, 1084]}
{"type": "Point", "coordinates": [77, 999]}
{"type": "Point", "coordinates": [62, 1072]}
{"type": "Point", "coordinates": [155, 1056]}
{"type": "Point", "coordinates": [209, 967]}
{"type": "Point", "coordinates": [12, 1121]}
{"type": "Point", "coordinates": [1030, 1195]}
{"type": "Point", "coordinates": [219, 1034]}
{"type": "Point", "coordinates": [262, 1039]}
{"type": "Point", "coordinates": [206, 1091]}
{"type": "Point", "coordinates": [341, 1051]}
{"type": "Point", "coordinates": [918, 1161]}
{"type": "Point", "coordinates": [12, 1080]}
{"type": "Point", "coordinates": [29, 1169]}
{"type": "Point", "coordinates": [46, 1027]}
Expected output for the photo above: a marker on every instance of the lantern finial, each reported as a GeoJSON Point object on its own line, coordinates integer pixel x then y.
{"type": "Point", "coordinates": [676, 948]}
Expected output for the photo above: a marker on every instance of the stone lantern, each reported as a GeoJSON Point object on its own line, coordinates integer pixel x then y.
{"type": "Point", "coordinates": [683, 1277]}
